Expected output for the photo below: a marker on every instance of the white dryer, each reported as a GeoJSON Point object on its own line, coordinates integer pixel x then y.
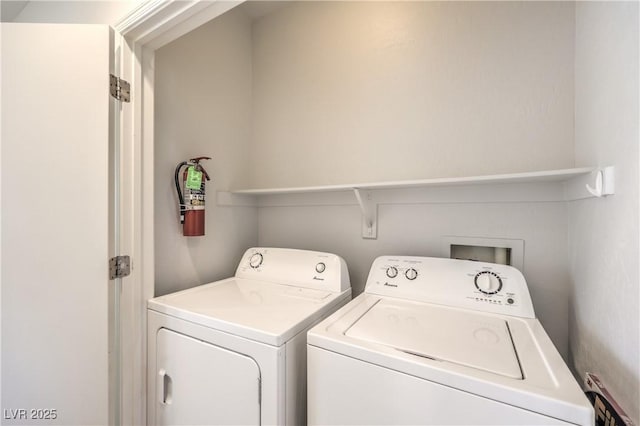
{"type": "Point", "coordinates": [439, 341]}
{"type": "Point", "coordinates": [234, 351]}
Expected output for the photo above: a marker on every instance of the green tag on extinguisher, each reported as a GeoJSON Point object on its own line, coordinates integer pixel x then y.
{"type": "Point", "coordinates": [194, 178]}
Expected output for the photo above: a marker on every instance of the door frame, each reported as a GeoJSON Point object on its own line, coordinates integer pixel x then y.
{"type": "Point", "coordinates": [153, 24]}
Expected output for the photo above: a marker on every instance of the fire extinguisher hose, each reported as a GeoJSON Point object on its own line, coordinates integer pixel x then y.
{"type": "Point", "coordinates": [179, 191]}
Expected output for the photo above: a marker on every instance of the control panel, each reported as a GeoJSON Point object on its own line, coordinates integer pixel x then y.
{"type": "Point", "coordinates": [482, 286]}
{"type": "Point", "coordinates": [300, 268]}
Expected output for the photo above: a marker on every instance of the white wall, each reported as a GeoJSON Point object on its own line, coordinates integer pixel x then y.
{"type": "Point", "coordinates": [368, 91]}
{"type": "Point", "coordinates": [603, 234]}
{"type": "Point", "coordinates": [76, 12]}
{"type": "Point", "coordinates": [203, 108]}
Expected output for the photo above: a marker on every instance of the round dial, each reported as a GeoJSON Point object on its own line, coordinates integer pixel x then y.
{"type": "Point", "coordinates": [255, 260]}
{"type": "Point", "coordinates": [392, 272]}
{"type": "Point", "coordinates": [320, 267]}
{"type": "Point", "coordinates": [411, 274]}
{"type": "Point", "coordinates": [488, 282]}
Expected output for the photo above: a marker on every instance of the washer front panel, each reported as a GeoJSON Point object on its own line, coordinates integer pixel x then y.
{"type": "Point", "coordinates": [548, 387]}
{"type": "Point", "coordinates": [373, 395]}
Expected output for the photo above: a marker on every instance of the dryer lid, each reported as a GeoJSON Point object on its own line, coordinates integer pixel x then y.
{"type": "Point", "coordinates": [444, 334]}
{"type": "Point", "coordinates": [262, 311]}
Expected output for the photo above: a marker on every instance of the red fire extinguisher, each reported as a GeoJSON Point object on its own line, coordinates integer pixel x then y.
{"type": "Point", "coordinates": [191, 196]}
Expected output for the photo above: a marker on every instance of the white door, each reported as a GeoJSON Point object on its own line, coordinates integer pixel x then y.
{"type": "Point", "coordinates": [57, 228]}
{"type": "Point", "coordinates": [202, 384]}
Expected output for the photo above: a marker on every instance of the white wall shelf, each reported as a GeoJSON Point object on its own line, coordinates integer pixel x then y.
{"type": "Point", "coordinates": [542, 186]}
{"type": "Point", "coordinates": [541, 176]}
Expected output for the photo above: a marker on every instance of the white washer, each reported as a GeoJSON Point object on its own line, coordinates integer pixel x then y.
{"type": "Point", "coordinates": [234, 351]}
{"type": "Point", "coordinates": [439, 341]}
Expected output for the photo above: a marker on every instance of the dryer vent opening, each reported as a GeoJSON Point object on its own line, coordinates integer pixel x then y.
{"type": "Point", "coordinates": [504, 251]}
{"type": "Point", "coordinates": [500, 255]}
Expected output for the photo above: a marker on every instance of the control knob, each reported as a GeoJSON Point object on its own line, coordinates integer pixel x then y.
{"type": "Point", "coordinates": [411, 274]}
{"type": "Point", "coordinates": [392, 272]}
{"type": "Point", "coordinates": [488, 282]}
{"type": "Point", "coordinates": [255, 260]}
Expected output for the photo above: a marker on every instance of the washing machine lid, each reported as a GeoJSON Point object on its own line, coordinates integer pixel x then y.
{"type": "Point", "coordinates": [440, 333]}
{"type": "Point", "coordinates": [257, 310]}
{"type": "Point", "coordinates": [365, 329]}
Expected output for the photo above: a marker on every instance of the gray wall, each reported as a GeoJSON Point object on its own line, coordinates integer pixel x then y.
{"type": "Point", "coordinates": [603, 234]}
{"type": "Point", "coordinates": [417, 229]}
{"type": "Point", "coordinates": [203, 108]}
{"type": "Point", "coordinates": [372, 91]}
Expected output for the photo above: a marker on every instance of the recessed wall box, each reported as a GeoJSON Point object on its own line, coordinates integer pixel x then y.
{"type": "Point", "coordinates": [494, 250]}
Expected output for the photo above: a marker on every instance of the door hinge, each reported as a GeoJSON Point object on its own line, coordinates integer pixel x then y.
{"type": "Point", "coordinates": [119, 88]}
{"type": "Point", "coordinates": [119, 267]}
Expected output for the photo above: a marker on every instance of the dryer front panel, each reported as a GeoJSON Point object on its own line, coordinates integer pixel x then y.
{"type": "Point", "coordinates": [198, 383]}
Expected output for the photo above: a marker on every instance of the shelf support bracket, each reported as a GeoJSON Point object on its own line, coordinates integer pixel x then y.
{"type": "Point", "coordinates": [369, 211]}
